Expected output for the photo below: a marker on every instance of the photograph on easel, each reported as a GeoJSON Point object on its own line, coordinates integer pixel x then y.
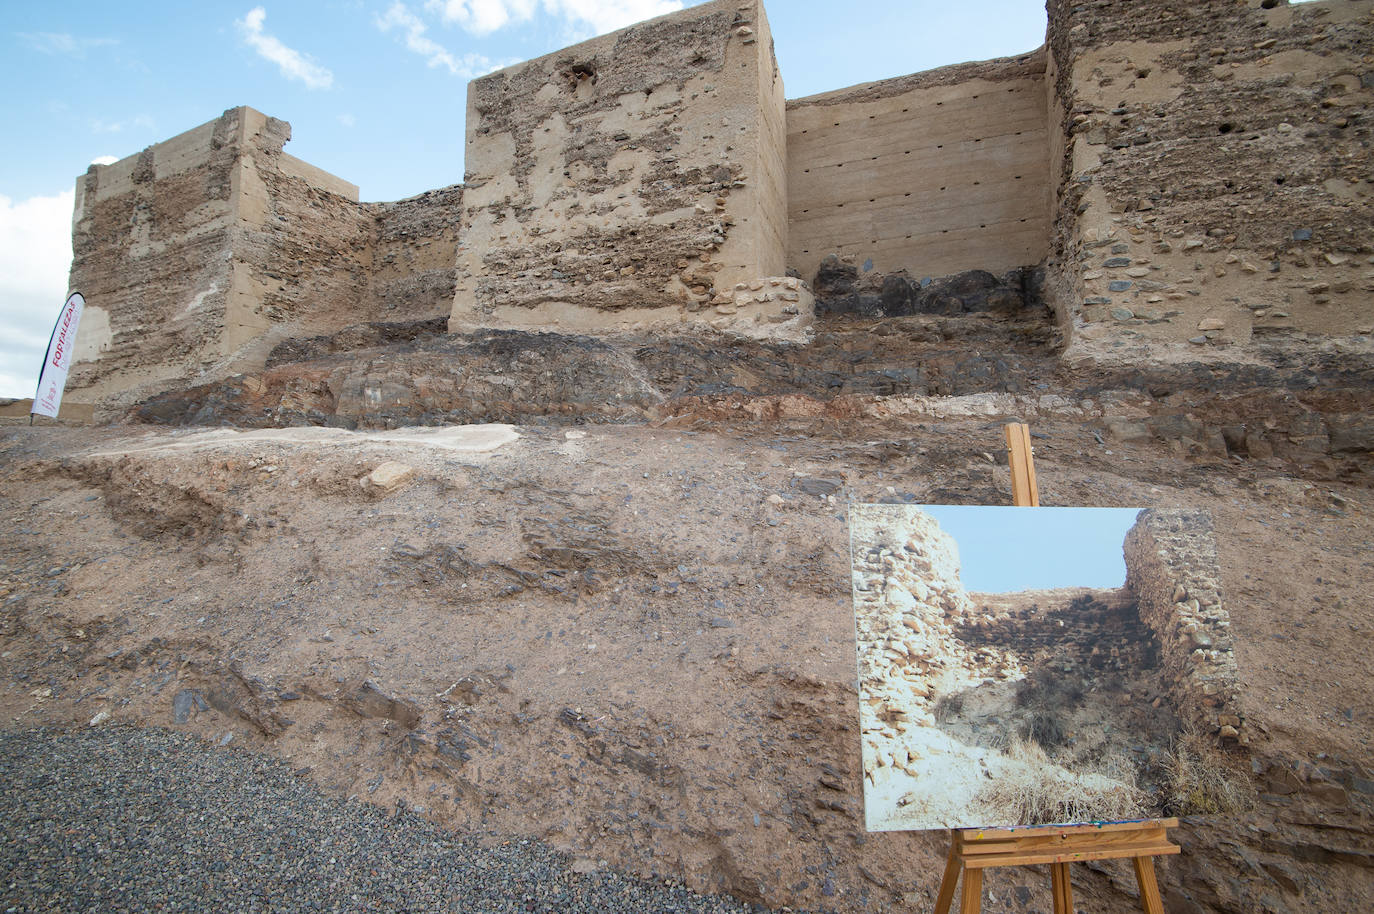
{"type": "Point", "coordinates": [1034, 666]}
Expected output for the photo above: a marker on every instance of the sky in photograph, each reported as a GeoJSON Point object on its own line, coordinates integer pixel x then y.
{"type": "Point", "coordinates": [375, 91]}
{"type": "Point", "coordinates": [1006, 549]}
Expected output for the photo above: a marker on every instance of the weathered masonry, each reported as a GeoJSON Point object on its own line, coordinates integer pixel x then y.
{"type": "Point", "coordinates": [202, 252]}
{"type": "Point", "coordinates": [629, 181]}
{"type": "Point", "coordinates": [1192, 175]}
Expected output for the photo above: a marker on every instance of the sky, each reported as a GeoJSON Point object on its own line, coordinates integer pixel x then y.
{"type": "Point", "coordinates": [1006, 549]}
{"type": "Point", "coordinates": [375, 91]}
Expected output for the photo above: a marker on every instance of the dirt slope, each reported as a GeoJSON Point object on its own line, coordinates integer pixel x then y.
{"type": "Point", "coordinates": [636, 641]}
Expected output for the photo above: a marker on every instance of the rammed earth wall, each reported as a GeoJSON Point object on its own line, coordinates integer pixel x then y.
{"type": "Point", "coordinates": [201, 253]}
{"type": "Point", "coordinates": [625, 181]}
{"type": "Point", "coordinates": [1194, 174]}
{"type": "Point", "coordinates": [151, 235]}
{"type": "Point", "coordinates": [413, 259]}
{"type": "Point", "coordinates": [935, 174]}
{"type": "Point", "coordinates": [1171, 567]}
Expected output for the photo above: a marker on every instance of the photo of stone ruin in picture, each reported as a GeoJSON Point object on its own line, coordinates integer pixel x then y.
{"type": "Point", "coordinates": [1030, 666]}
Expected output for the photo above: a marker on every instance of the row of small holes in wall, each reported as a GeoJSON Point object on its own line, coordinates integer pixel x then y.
{"type": "Point", "coordinates": [807, 171]}
{"type": "Point", "coordinates": [908, 194]}
{"type": "Point", "coordinates": [909, 237]}
{"type": "Point", "coordinates": [908, 110]}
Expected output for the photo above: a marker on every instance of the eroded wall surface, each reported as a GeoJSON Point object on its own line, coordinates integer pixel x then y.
{"type": "Point", "coordinates": [935, 173]}
{"type": "Point", "coordinates": [628, 181]}
{"type": "Point", "coordinates": [1171, 567]}
{"type": "Point", "coordinates": [303, 260]}
{"type": "Point", "coordinates": [413, 260]}
{"type": "Point", "coordinates": [1214, 187]}
{"type": "Point", "coordinates": [150, 238]}
{"type": "Point", "coordinates": [200, 254]}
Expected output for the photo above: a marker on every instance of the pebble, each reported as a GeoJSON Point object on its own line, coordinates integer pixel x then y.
{"type": "Point", "coordinates": [125, 819]}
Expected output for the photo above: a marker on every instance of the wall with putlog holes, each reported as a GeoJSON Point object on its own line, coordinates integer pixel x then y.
{"type": "Point", "coordinates": [934, 173]}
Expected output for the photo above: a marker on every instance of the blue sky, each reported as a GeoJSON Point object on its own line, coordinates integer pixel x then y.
{"type": "Point", "coordinates": [375, 91]}
{"type": "Point", "coordinates": [1004, 549]}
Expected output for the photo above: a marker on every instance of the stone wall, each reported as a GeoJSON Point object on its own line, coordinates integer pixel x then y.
{"type": "Point", "coordinates": [631, 181]}
{"type": "Point", "coordinates": [200, 254]}
{"type": "Point", "coordinates": [935, 173]}
{"type": "Point", "coordinates": [1213, 189]}
{"type": "Point", "coordinates": [303, 259]}
{"type": "Point", "coordinates": [416, 249]}
{"type": "Point", "coordinates": [907, 602]}
{"type": "Point", "coordinates": [1171, 567]}
{"type": "Point", "coordinates": [150, 235]}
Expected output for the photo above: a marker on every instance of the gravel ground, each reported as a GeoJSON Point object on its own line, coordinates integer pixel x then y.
{"type": "Point", "coordinates": [124, 819]}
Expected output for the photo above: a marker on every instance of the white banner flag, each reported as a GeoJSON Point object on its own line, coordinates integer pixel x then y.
{"type": "Point", "coordinates": [53, 379]}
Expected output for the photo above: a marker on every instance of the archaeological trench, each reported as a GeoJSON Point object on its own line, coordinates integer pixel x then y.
{"type": "Point", "coordinates": [523, 504]}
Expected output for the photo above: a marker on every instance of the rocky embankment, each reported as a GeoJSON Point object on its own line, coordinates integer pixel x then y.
{"type": "Point", "coordinates": [636, 642]}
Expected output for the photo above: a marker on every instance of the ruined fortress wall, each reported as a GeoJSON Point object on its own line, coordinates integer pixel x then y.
{"type": "Point", "coordinates": [622, 182]}
{"type": "Point", "coordinates": [758, 247]}
{"type": "Point", "coordinates": [303, 261]}
{"type": "Point", "coordinates": [316, 177]}
{"type": "Point", "coordinates": [1171, 567]}
{"type": "Point", "coordinates": [151, 236]}
{"type": "Point", "coordinates": [1214, 189]}
{"type": "Point", "coordinates": [413, 260]}
{"type": "Point", "coordinates": [199, 254]}
{"type": "Point", "coordinates": [1196, 171]}
{"type": "Point", "coordinates": [935, 173]}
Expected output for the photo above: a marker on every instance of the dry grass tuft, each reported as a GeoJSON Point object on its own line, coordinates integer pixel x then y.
{"type": "Point", "coordinates": [1034, 791]}
{"type": "Point", "coordinates": [1202, 780]}
{"type": "Point", "coordinates": [947, 706]}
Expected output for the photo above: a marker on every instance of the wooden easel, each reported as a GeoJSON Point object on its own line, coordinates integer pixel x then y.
{"type": "Point", "coordinates": [972, 850]}
{"type": "Point", "coordinates": [1024, 492]}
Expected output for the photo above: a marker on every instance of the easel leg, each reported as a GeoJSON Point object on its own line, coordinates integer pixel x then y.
{"type": "Point", "coordinates": [971, 902]}
{"type": "Point", "coordinates": [1149, 888]}
{"type": "Point", "coordinates": [1063, 889]}
{"type": "Point", "coordinates": [948, 881]}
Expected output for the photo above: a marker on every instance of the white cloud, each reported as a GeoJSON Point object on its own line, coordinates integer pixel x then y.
{"type": "Point", "coordinates": [609, 15]}
{"type": "Point", "coordinates": [35, 257]}
{"type": "Point", "coordinates": [293, 64]}
{"type": "Point", "coordinates": [347, 120]}
{"type": "Point", "coordinates": [398, 16]}
{"type": "Point", "coordinates": [481, 17]}
{"type": "Point", "coordinates": [63, 43]}
{"type": "Point", "coordinates": [104, 160]}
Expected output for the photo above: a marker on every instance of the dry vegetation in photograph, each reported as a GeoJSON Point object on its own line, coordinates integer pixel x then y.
{"type": "Point", "coordinates": [1204, 782]}
{"type": "Point", "coordinates": [1033, 789]}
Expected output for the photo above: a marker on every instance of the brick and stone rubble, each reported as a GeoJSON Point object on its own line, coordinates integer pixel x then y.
{"type": "Point", "coordinates": [1171, 567]}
